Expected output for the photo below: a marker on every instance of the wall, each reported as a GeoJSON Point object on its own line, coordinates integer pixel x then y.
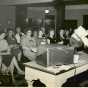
{"type": "Point", "coordinates": [15, 2]}
{"type": "Point", "coordinates": [38, 12]}
{"type": "Point", "coordinates": [7, 16]}
{"type": "Point", "coordinates": [76, 12]}
{"type": "Point", "coordinates": [72, 12]}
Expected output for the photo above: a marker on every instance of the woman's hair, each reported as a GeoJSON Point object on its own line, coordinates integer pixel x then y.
{"type": "Point", "coordinates": [10, 29]}
{"type": "Point", "coordinates": [52, 30]}
{"type": "Point", "coordinates": [27, 29]}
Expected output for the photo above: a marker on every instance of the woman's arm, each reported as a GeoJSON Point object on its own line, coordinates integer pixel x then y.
{"type": "Point", "coordinates": [4, 50]}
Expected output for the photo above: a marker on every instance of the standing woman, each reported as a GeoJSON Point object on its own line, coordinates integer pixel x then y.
{"type": "Point", "coordinates": [15, 50]}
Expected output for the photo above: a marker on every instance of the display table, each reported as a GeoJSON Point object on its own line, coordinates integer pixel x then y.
{"type": "Point", "coordinates": [54, 76]}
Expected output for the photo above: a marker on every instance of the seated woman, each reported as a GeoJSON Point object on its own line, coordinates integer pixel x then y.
{"type": "Point", "coordinates": [4, 50]}
{"type": "Point", "coordinates": [52, 39]}
{"type": "Point", "coordinates": [7, 59]}
{"type": "Point", "coordinates": [35, 36]}
{"type": "Point", "coordinates": [29, 46]}
{"type": "Point", "coordinates": [66, 37]}
{"type": "Point", "coordinates": [41, 38]}
{"type": "Point", "coordinates": [15, 49]}
{"type": "Point", "coordinates": [18, 35]}
{"type": "Point", "coordinates": [61, 33]}
{"type": "Point", "coordinates": [40, 34]}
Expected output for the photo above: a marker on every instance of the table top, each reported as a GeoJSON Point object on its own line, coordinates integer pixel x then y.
{"type": "Point", "coordinates": [55, 70]}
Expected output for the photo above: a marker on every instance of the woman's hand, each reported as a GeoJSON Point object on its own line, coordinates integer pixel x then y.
{"type": "Point", "coordinates": [34, 50]}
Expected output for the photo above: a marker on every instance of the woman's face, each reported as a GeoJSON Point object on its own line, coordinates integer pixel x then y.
{"type": "Point", "coordinates": [61, 32]}
{"type": "Point", "coordinates": [2, 36]}
{"type": "Point", "coordinates": [52, 33]}
{"type": "Point", "coordinates": [10, 33]}
{"type": "Point", "coordinates": [18, 29]}
{"type": "Point", "coordinates": [29, 33]}
{"type": "Point", "coordinates": [40, 33]}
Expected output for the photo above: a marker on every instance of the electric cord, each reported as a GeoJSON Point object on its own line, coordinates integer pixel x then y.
{"type": "Point", "coordinates": [75, 70]}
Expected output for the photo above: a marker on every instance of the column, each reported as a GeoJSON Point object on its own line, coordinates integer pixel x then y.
{"type": "Point", "coordinates": [60, 13]}
{"type": "Point", "coordinates": [21, 14]}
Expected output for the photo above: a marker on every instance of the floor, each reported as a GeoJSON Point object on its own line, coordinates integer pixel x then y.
{"type": "Point", "coordinates": [6, 80]}
{"type": "Point", "coordinates": [80, 80]}
{"type": "Point", "coordinates": [19, 80]}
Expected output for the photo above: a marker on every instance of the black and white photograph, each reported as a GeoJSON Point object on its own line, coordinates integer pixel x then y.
{"type": "Point", "coordinates": [44, 43]}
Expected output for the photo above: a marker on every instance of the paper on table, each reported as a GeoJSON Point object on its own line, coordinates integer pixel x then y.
{"type": "Point", "coordinates": [59, 68]}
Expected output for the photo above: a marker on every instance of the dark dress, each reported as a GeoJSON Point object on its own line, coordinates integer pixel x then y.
{"type": "Point", "coordinates": [52, 40]}
{"type": "Point", "coordinates": [14, 50]}
{"type": "Point", "coordinates": [6, 59]}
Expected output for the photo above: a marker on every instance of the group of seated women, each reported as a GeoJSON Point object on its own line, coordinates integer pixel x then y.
{"type": "Point", "coordinates": [15, 45]}
{"type": "Point", "coordinates": [9, 52]}
{"type": "Point", "coordinates": [30, 44]}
